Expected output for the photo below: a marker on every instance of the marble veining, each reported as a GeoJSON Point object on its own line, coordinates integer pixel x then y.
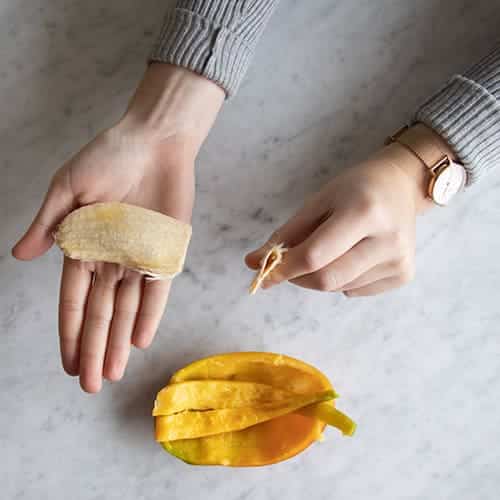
{"type": "Point", "coordinates": [418, 368]}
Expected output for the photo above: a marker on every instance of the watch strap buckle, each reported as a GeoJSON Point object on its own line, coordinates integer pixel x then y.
{"type": "Point", "coordinates": [443, 162]}
{"type": "Point", "coordinates": [394, 137]}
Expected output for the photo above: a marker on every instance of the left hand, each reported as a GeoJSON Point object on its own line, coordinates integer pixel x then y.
{"type": "Point", "coordinates": [357, 235]}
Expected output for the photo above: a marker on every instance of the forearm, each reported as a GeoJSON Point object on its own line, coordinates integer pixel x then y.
{"type": "Point", "coordinates": [214, 38]}
{"type": "Point", "coordinates": [466, 113]}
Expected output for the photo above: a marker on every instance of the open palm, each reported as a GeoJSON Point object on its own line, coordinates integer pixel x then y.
{"type": "Point", "coordinates": [105, 308]}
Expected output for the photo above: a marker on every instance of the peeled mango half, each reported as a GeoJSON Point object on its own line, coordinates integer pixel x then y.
{"type": "Point", "coordinates": [137, 238]}
{"type": "Point", "coordinates": [245, 409]}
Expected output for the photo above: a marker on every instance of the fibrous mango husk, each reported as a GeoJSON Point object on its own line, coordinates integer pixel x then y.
{"type": "Point", "coordinates": [272, 259]}
{"type": "Point", "coordinates": [137, 238]}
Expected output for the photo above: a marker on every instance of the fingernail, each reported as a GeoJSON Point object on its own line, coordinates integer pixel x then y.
{"type": "Point", "coordinates": [255, 253]}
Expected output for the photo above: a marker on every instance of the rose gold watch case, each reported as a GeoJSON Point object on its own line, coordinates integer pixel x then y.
{"type": "Point", "coordinates": [447, 179]}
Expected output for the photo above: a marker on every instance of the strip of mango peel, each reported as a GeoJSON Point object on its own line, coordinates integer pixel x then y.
{"type": "Point", "coordinates": [328, 414]}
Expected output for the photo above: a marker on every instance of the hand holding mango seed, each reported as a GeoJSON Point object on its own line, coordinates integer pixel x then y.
{"type": "Point", "coordinates": [237, 409]}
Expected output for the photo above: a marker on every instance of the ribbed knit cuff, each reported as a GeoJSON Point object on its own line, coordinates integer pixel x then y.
{"type": "Point", "coordinates": [466, 113]}
{"type": "Point", "coordinates": [214, 38]}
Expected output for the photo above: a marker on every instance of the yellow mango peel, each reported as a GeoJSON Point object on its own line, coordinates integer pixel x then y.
{"type": "Point", "coordinates": [245, 409]}
{"type": "Point", "coordinates": [328, 414]}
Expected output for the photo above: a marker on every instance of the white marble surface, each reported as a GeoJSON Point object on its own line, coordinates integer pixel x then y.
{"type": "Point", "coordinates": [419, 369]}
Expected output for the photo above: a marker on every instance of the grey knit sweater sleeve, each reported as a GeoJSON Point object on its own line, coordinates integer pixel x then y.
{"type": "Point", "coordinates": [217, 38]}
{"type": "Point", "coordinates": [214, 38]}
{"type": "Point", "coordinates": [466, 113]}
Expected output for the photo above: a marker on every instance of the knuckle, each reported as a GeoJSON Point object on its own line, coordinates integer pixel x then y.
{"type": "Point", "coordinates": [129, 277]}
{"type": "Point", "coordinates": [125, 314]}
{"type": "Point", "coordinates": [149, 316]}
{"type": "Point", "coordinates": [88, 356]}
{"type": "Point", "coordinates": [331, 280]}
{"type": "Point", "coordinates": [366, 203]}
{"type": "Point", "coordinates": [324, 282]}
{"type": "Point", "coordinates": [109, 272]}
{"type": "Point", "coordinates": [374, 211]}
{"type": "Point", "coordinates": [107, 284]}
{"type": "Point", "coordinates": [406, 271]}
{"type": "Point", "coordinates": [399, 266]}
{"type": "Point", "coordinates": [118, 350]}
{"type": "Point", "coordinates": [400, 241]}
{"type": "Point", "coordinates": [98, 320]}
{"type": "Point", "coordinates": [311, 258]}
{"type": "Point", "coordinates": [70, 306]}
{"type": "Point", "coordinates": [59, 184]}
{"type": "Point", "coordinates": [109, 276]}
{"type": "Point", "coordinates": [275, 238]}
{"type": "Point", "coordinates": [57, 180]}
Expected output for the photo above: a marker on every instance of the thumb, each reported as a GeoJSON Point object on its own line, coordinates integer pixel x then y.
{"type": "Point", "coordinates": [58, 202]}
{"type": "Point", "coordinates": [292, 233]}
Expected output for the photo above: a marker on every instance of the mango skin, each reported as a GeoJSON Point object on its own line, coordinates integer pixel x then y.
{"type": "Point", "coordinates": [266, 443]}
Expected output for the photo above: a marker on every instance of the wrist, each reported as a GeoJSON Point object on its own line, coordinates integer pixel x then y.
{"type": "Point", "coordinates": [173, 104]}
{"type": "Point", "coordinates": [409, 151]}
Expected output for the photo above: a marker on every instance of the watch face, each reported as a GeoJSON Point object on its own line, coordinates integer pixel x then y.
{"type": "Point", "coordinates": [447, 183]}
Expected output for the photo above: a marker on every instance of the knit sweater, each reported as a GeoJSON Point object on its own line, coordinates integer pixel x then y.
{"type": "Point", "coordinates": [217, 38]}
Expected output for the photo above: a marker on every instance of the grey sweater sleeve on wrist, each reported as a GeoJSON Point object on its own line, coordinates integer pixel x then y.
{"type": "Point", "coordinates": [466, 113]}
{"type": "Point", "coordinates": [214, 38]}
{"type": "Point", "coordinates": [217, 38]}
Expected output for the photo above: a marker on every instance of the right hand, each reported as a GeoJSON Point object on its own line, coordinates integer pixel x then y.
{"type": "Point", "coordinates": [147, 159]}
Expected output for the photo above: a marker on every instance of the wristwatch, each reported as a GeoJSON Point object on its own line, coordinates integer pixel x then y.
{"type": "Point", "coordinates": [447, 176]}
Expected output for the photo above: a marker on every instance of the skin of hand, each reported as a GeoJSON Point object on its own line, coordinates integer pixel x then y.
{"type": "Point", "coordinates": [146, 159]}
{"type": "Point", "coordinates": [357, 235]}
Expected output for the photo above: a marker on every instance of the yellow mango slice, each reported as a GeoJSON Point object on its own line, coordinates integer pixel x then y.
{"type": "Point", "coordinates": [215, 394]}
{"type": "Point", "coordinates": [272, 259]}
{"type": "Point", "coordinates": [265, 443]}
{"type": "Point", "coordinates": [135, 237]}
{"type": "Point", "coordinates": [197, 424]}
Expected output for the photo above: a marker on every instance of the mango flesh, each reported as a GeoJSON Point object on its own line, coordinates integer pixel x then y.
{"type": "Point", "coordinates": [196, 424]}
{"type": "Point", "coordinates": [267, 442]}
